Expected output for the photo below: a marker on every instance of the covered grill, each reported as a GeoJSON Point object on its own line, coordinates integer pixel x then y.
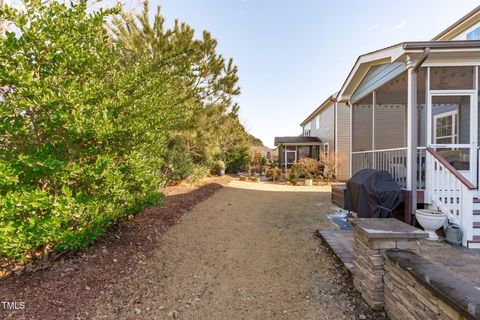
{"type": "Point", "coordinates": [372, 194]}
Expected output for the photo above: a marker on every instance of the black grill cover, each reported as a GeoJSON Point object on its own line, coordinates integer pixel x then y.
{"type": "Point", "coordinates": [372, 194]}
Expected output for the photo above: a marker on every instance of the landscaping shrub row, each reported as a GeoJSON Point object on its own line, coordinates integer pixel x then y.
{"type": "Point", "coordinates": [99, 109]}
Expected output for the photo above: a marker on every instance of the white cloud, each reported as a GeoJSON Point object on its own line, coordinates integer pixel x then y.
{"type": "Point", "coordinates": [375, 26]}
{"type": "Point", "coordinates": [401, 25]}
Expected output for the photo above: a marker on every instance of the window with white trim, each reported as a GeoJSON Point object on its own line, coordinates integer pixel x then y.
{"type": "Point", "coordinates": [474, 35]}
{"type": "Point", "coordinates": [317, 122]}
{"type": "Point", "coordinates": [445, 128]}
{"type": "Point", "coordinates": [326, 148]}
{"type": "Point", "coordinates": [307, 130]}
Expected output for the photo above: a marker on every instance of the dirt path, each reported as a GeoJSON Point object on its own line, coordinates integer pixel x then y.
{"type": "Point", "coordinates": [248, 252]}
{"type": "Point", "coordinates": [69, 287]}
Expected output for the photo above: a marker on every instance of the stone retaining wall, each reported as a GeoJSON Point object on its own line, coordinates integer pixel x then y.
{"type": "Point", "coordinates": [405, 298]}
{"type": "Point", "coordinates": [418, 289]}
{"type": "Point", "coordinates": [390, 275]}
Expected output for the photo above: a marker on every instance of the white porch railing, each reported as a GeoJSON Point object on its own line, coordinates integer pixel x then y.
{"type": "Point", "coordinates": [450, 192]}
{"type": "Point", "coordinates": [391, 160]}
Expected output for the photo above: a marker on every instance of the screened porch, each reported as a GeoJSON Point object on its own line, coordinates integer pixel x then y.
{"type": "Point", "coordinates": [292, 149]}
{"type": "Point", "coordinates": [447, 118]}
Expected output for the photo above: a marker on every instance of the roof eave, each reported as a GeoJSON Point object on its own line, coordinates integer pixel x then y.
{"type": "Point", "coordinates": [331, 98]}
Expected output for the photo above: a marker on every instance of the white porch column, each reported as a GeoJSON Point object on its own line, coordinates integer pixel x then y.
{"type": "Point", "coordinates": [412, 139]}
{"type": "Point", "coordinates": [374, 102]}
{"type": "Point", "coordinates": [350, 147]}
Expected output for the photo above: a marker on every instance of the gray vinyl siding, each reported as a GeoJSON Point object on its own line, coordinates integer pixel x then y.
{"type": "Point", "coordinates": [343, 141]}
{"type": "Point", "coordinates": [326, 131]}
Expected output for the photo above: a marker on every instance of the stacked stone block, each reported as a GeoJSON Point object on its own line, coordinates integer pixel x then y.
{"type": "Point", "coordinates": [369, 249]}
{"type": "Point", "coordinates": [406, 298]}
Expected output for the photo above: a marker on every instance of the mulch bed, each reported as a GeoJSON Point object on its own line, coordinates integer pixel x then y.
{"type": "Point", "coordinates": [69, 287]}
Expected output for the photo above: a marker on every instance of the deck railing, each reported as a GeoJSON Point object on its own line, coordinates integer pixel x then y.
{"type": "Point", "coordinates": [391, 160]}
{"type": "Point", "coordinates": [450, 191]}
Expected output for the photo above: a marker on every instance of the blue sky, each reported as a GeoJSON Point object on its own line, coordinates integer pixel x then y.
{"type": "Point", "coordinates": [293, 54]}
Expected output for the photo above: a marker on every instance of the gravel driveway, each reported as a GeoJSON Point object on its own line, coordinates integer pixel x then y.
{"type": "Point", "coordinates": [248, 252]}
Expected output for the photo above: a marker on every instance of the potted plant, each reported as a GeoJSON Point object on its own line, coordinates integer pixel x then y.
{"type": "Point", "coordinates": [308, 179]}
{"type": "Point", "coordinates": [220, 168]}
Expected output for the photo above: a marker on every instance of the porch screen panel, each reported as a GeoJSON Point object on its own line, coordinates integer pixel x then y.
{"type": "Point", "coordinates": [303, 152]}
{"type": "Point", "coordinates": [422, 107]}
{"type": "Point", "coordinates": [451, 78]}
{"type": "Point", "coordinates": [362, 121]}
{"type": "Point", "coordinates": [391, 114]}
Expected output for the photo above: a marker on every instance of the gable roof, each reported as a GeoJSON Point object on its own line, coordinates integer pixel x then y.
{"type": "Point", "coordinates": [460, 25]}
{"type": "Point", "coordinates": [363, 64]}
{"type": "Point", "coordinates": [392, 54]}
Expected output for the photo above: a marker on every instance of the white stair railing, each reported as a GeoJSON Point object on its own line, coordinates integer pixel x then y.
{"type": "Point", "coordinates": [450, 192]}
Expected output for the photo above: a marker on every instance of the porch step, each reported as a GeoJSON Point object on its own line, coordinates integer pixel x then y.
{"type": "Point", "coordinates": [474, 243]}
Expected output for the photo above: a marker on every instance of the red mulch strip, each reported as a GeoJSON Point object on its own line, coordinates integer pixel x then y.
{"type": "Point", "coordinates": [69, 287]}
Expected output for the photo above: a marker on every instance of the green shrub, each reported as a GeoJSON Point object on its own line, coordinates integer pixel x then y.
{"type": "Point", "coordinates": [76, 155]}
{"type": "Point", "coordinates": [294, 174]}
{"type": "Point", "coordinates": [178, 160]}
{"type": "Point", "coordinates": [237, 158]}
{"type": "Point", "coordinates": [199, 173]}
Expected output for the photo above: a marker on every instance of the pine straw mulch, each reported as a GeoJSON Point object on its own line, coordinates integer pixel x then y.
{"type": "Point", "coordinates": [68, 287]}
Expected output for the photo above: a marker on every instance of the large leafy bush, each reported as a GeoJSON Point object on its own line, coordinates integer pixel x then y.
{"type": "Point", "coordinates": [80, 145]}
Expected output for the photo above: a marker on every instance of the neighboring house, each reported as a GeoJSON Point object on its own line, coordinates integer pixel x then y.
{"type": "Point", "coordinates": [326, 130]}
{"type": "Point", "coordinates": [330, 123]}
{"type": "Point", "coordinates": [413, 110]}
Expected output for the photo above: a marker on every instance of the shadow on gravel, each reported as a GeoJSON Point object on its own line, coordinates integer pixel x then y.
{"type": "Point", "coordinates": [68, 288]}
